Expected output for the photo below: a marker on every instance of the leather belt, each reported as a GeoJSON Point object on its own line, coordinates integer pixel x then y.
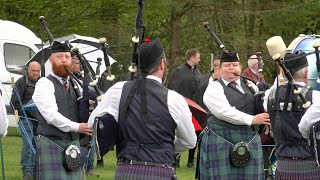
{"type": "Point", "coordinates": [134, 162]}
{"type": "Point", "coordinates": [295, 158]}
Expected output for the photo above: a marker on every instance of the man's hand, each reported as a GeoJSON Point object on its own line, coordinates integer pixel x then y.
{"type": "Point", "coordinates": [216, 75]}
{"type": "Point", "coordinates": [84, 129]}
{"type": "Point", "coordinates": [262, 118]}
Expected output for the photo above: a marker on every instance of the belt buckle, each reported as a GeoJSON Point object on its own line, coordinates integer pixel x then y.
{"type": "Point", "coordinates": [295, 158]}
{"type": "Point", "coordinates": [131, 162]}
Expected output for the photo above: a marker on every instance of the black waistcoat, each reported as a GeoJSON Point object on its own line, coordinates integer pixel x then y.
{"type": "Point", "coordinates": [290, 143]}
{"type": "Point", "coordinates": [151, 141]}
{"type": "Point", "coordinates": [67, 106]}
{"type": "Point", "coordinates": [243, 102]}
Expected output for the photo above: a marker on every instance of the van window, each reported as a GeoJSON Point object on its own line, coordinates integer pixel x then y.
{"type": "Point", "coordinates": [16, 56]}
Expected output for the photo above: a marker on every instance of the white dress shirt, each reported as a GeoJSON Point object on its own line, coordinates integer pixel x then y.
{"type": "Point", "coordinates": [185, 133]}
{"type": "Point", "coordinates": [311, 116]}
{"type": "Point", "coordinates": [45, 101]}
{"type": "Point", "coordinates": [218, 104]}
{"type": "Point", "coordinates": [210, 80]}
{"type": "Point", "coordinates": [3, 118]}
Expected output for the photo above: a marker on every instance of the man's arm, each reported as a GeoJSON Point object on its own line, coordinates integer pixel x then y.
{"type": "Point", "coordinates": [180, 112]}
{"type": "Point", "coordinates": [311, 116]}
{"type": "Point", "coordinates": [218, 104]}
{"type": "Point", "coordinates": [3, 118]}
{"type": "Point", "coordinates": [109, 104]}
{"type": "Point", "coordinates": [45, 101]}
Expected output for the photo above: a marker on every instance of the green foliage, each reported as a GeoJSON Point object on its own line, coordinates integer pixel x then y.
{"type": "Point", "coordinates": [242, 25]}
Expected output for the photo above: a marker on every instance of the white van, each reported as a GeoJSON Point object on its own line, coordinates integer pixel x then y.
{"type": "Point", "coordinates": [17, 45]}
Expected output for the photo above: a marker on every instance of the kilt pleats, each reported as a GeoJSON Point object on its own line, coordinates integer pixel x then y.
{"type": "Point", "coordinates": [49, 161]}
{"type": "Point", "coordinates": [290, 169]}
{"type": "Point", "coordinates": [141, 172]}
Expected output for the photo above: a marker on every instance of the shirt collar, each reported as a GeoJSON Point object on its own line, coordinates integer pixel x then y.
{"type": "Point", "coordinates": [58, 77]}
{"type": "Point", "coordinates": [189, 66]}
{"type": "Point", "coordinates": [154, 78]}
{"type": "Point", "coordinates": [254, 72]}
{"type": "Point", "coordinates": [227, 82]}
{"type": "Point", "coordinates": [300, 83]}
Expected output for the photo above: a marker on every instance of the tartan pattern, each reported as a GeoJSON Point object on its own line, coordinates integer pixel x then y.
{"type": "Point", "coordinates": [215, 154]}
{"type": "Point", "coordinates": [140, 172]}
{"type": "Point", "coordinates": [291, 169]}
{"type": "Point", "coordinates": [49, 160]}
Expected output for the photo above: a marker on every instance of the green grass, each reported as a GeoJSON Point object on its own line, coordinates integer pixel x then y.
{"type": "Point", "coordinates": [11, 146]}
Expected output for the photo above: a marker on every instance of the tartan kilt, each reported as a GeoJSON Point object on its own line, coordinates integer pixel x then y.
{"type": "Point", "coordinates": [49, 160]}
{"type": "Point", "coordinates": [215, 161]}
{"type": "Point", "coordinates": [292, 169]}
{"type": "Point", "coordinates": [141, 172]}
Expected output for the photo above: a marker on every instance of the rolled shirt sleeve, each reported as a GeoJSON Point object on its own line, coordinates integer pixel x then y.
{"type": "Point", "coordinates": [311, 116]}
{"type": "Point", "coordinates": [218, 104]}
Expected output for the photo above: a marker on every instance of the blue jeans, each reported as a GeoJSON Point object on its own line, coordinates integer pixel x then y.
{"type": "Point", "coordinates": [84, 152]}
{"type": "Point", "coordinates": [27, 155]}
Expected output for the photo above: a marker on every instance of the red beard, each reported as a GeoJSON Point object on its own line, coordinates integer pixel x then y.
{"type": "Point", "coordinates": [60, 70]}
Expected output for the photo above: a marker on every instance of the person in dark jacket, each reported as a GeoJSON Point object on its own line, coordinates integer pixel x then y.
{"type": "Point", "coordinates": [185, 80]}
{"type": "Point", "coordinates": [24, 86]}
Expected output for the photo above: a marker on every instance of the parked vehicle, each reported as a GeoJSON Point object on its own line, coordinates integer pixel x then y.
{"type": "Point", "coordinates": [304, 43]}
{"type": "Point", "coordinates": [17, 45]}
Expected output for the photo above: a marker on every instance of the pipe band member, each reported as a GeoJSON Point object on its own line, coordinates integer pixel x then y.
{"type": "Point", "coordinates": [153, 122]}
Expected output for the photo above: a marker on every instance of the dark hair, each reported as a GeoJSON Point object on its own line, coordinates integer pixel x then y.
{"type": "Point", "coordinates": [191, 53]}
{"type": "Point", "coordinates": [157, 65]}
{"type": "Point", "coordinates": [216, 58]}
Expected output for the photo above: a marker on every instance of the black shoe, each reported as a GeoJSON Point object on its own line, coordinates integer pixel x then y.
{"type": "Point", "coordinates": [176, 164]}
{"type": "Point", "coordinates": [92, 173]}
{"type": "Point", "coordinates": [28, 177]}
{"type": "Point", "coordinates": [100, 163]}
{"type": "Point", "coordinates": [190, 164]}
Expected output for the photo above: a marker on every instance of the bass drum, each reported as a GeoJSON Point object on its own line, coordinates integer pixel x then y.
{"type": "Point", "coordinates": [304, 43]}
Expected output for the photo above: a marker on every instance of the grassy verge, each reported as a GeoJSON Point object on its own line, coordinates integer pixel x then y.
{"type": "Point", "coordinates": [11, 146]}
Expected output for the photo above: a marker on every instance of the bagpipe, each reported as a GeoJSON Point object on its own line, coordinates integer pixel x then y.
{"type": "Point", "coordinates": [106, 127]}
{"type": "Point", "coordinates": [314, 77]}
{"type": "Point", "coordinates": [257, 95]}
{"type": "Point", "coordinates": [277, 50]}
{"type": "Point", "coordinates": [137, 40]}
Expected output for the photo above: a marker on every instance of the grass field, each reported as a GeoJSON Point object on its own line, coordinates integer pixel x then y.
{"type": "Point", "coordinates": [11, 146]}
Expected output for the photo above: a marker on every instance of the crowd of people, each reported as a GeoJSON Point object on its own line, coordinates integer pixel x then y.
{"type": "Point", "coordinates": [154, 124]}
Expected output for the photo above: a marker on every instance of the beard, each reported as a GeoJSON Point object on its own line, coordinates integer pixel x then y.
{"type": "Point", "coordinates": [60, 70]}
